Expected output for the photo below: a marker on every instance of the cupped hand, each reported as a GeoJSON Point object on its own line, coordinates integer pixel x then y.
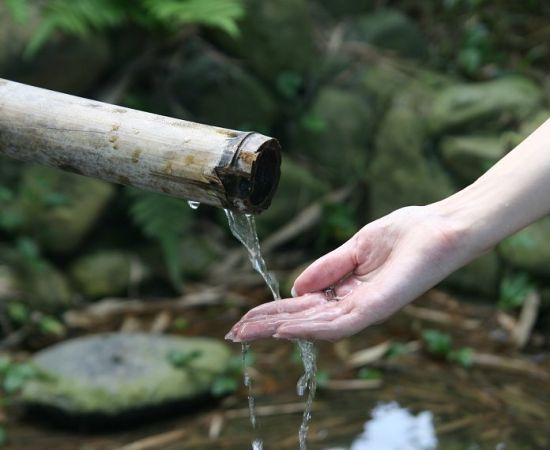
{"type": "Point", "coordinates": [384, 266]}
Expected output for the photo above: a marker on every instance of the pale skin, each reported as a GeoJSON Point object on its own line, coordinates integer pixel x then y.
{"type": "Point", "coordinates": [391, 261]}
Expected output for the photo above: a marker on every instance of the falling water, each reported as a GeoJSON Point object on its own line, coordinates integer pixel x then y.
{"type": "Point", "coordinates": [243, 228]}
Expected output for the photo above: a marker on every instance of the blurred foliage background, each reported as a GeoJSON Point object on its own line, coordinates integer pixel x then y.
{"type": "Point", "coordinates": [377, 104]}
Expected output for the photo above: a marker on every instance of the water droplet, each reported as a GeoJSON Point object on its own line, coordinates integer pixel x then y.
{"type": "Point", "coordinates": [193, 204]}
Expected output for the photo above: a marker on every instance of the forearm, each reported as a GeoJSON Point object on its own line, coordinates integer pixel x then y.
{"type": "Point", "coordinates": [512, 194]}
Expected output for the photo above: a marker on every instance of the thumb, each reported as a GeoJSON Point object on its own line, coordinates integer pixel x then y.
{"type": "Point", "coordinates": [326, 271]}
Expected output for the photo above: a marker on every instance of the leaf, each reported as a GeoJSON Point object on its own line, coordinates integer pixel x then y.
{"type": "Point", "coordinates": [16, 376]}
{"type": "Point", "coordinates": [18, 312]}
{"type": "Point", "coordinates": [50, 325]}
{"type": "Point", "coordinates": [165, 220]}
{"type": "Point", "coordinates": [463, 357]}
{"type": "Point", "coordinates": [369, 374]}
{"type": "Point", "coordinates": [514, 289]}
{"type": "Point", "coordinates": [181, 359]}
{"type": "Point", "coordinates": [322, 377]}
{"type": "Point", "coordinates": [221, 14]}
{"type": "Point", "coordinates": [438, 343]}
{"type": "Point", "coordinates": [19, 10]}
{"type": "Point", "coordinates": [77, 18]}
{"type": "Point", "coordinates": [223, 385]}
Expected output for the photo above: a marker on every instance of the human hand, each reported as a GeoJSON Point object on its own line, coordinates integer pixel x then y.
{"type": "Point", "coordinates": [384, 266]}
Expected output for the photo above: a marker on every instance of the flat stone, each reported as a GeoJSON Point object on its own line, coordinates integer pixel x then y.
{"type": "Point", "coordinates": [117, 373]}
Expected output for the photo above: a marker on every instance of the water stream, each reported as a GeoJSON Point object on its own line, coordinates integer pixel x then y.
{"type": "Point", "coordinates": [243, 228]}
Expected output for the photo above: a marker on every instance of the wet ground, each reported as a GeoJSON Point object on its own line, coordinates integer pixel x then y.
{"type": "Point", "coordinates": [502, 402]}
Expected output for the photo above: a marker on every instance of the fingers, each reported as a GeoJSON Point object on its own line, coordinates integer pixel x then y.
{"type": "Point", "coordinates": [266, 325]}
{"type": "Point", "coordinates": [289, 305]}
{"type": "Point", "coordinates": [343, 326]}
{"type": "Point", "coordinates": [327, 270]}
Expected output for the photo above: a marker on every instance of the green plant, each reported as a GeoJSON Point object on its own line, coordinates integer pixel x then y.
{"type": "Point", "coordinates": [366, 373]}
{"type": "Point", "coordinates": [82, 18]}
{"type": "Point", "coordinates": [182, 360]}
{"type": "Point", "coordinates": [463, 356]}
{"type": "Point", "coordinates": [164, 220]}
{"type": "Point", "coordinates": [440, 344]}
{"type": "Point", "coordinates": [322, 377]}
{"type": "Point", "coordinates": [513, 290]}
{"type": "Point", "coordinates": [229, 381]}
{"type": "Point", "coordinates": [437, 342]}
{"type": "Point", "coordinates": [13, 376]}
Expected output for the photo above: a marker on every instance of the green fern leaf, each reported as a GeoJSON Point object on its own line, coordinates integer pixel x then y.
{"type": "Point", "coordinates": [77, 18]}
{"type": "Point", "coordinates": [222, 14]}
{"type": "Point", "coordinates": [19, 10]}
{"type": "Point", "coordinates": [164, 220]}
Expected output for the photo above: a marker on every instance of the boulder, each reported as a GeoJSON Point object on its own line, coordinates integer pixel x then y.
{"type": "Point", "coordinates": [345, 7]}
{"type": "Point", "coordinates": [29, 278]}
{"type": "Point", "coordinates": [529, 249]}
{"type": "Point", "coordinates": [117, 373]}
{"type": "Point", "coordinates": [219, 91]}
{"type": "Point", "coordinates": [402, 171]}
{"type": "Point", "coordinates": [470, 156]}
{"type": "Point", "coordinates": [101, 274]}
{"type": "Point", "coordinates": [486, 105]}
{"type": "Point", "coordinates": [389, 29]}
{"type": "Point", "coordinates": [334, 135]}
{"type": "Point", "coordinates": [276, 38]}
{"type": "Point", "coordinates": [298, 188]}
{"type": "Point", "coordinates": [59, 208]}
{"type": "Point", "coordinates": [480, 277]}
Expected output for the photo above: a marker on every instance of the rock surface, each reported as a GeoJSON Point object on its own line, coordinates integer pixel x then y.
{"type": "Point", "coordinates": [59, 208]}
{"type": "Point", "coordinates": [470, 156]}
{"type": "Point", "coordinates": [113, 374]}
{"type": "Point", "coordinates": [402, 173]}
{"type": "Point", "coordinates": [334, 135]}
{"type": "Point", "coordinates": [486, 105]}
{"type": "Point", "coordinates": [529, 249]}
{"type": "Point", "coordinates": [102, 274]}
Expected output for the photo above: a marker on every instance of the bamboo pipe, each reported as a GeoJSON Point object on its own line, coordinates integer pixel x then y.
{"type": "Point", "coordinates": [216, 166]}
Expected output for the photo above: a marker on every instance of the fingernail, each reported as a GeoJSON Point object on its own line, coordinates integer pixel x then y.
{"type": "Point", "coordinates": [230, 336]}
{"type": "Point", "coordinates": [293, 292]}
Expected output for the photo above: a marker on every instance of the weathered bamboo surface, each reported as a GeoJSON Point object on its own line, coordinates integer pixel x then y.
{"type": "Point", "coordinates": [216, 166]}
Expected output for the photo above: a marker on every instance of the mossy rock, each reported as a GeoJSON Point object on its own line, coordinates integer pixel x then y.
{"type": "Point", "coordinates": [480, 277]}
{"type": "Point", "coordinates": [391, 30]}
{"type": "Point", "coordinates": [219, 91]}
{"type": "Point", "coordinates": [334, 135]}
{"type": "Point", "coordinates": [390, 78]}
{"type": "Point", "coordinates": [276, 37]}
{"type": "Point", "coordinates": [58, 209]}
{"type": "Point", "coordinates": [470, 156]}
{"type": "Point", "coordinates": [403, 172]}
{"type": "Point", "coordinates": [529, 249]}
{"type": "Point", "coordinates": [486, 105]}
{"type": "Point", "coordinates": [113, 374]}
{"type": "Point", "coordinates": [343, 8]}
{"type": "Point", "coordinates": [298, 189]}
{"type": "Point", "coordinates": [34, 281]}
{"type": "Point", "coordinates": [101, 274]}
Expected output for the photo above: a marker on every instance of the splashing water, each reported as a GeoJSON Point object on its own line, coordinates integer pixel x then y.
{"type": "Point", "coordinates": [243, 227]}
{"type": "Point", "coordinates": [193, 205]}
